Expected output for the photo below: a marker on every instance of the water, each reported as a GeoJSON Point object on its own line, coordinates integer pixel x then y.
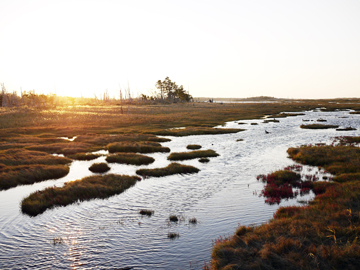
{"type": "Point", "coordinates": [110, 234]}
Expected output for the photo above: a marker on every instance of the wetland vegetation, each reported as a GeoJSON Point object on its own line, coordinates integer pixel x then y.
{"type": "Point", "coordinates": [320, 235]}
{"type": "Point", "coordinates": [192, 155]}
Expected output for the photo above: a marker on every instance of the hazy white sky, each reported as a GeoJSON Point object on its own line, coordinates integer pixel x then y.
{"type": "Point", "coordinates": [294, 49]}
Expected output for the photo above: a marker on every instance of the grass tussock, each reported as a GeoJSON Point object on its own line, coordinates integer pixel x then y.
{"type": "Point", "coordinates": [99, 167]}
{"type": "Point", "coordinates": [12, 176]}
{"type": "Point", "coordinates": [197, 131]}
{"type": "Point", "coordinates": [130, 158]}
{"type": "Point", "coordinates": [193, 146]}
{"type": "Point", "coordinates": [173, 168]}
{"type": "Point", "coordinates": [318, 126]}
{"type": "Point", "coordinates": [321, 235]}
{"type": "Point", "coordinates": [173, 218]}
{"type": "Point", "coordinates": [146, 212]}
{"type": "Point", "coordinates": [84, 156]}
{"type": "Point", "coordinates": [204, 160]}
{"type": "Point", "coordinates": [137, 147]}
{"type": "Point", "coordinates": [88, 188]}
{"type": "Point", "coordinates": [192, 155]}
{"type": "Point", "coordinates": [173, 235]}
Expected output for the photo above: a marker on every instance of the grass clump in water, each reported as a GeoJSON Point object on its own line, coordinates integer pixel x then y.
{"type": "Point", "coordinates": [173, 168]}
{"type": "Point", "coordinates": [173, 218]}
{"type": "Point", "coordinates": [318, 126]}
{"type": "Point", "coordinates": [193, 146]}
{"type": "Point", "coordinates": [193, 220]}
{"type": "Point", "coordinates": [130, 158]}
{"type": "Point", "coordinates": [146, 212]}
{"type": "Point", "coordinates": [192, 155]}
{"type": "Point", "coordinates": [197, 131]}
{"type": "Point", "coordinates": [204, 160]}
{"type": "Point", "coordinates": [84, 156]}
{"type": "Point", "coordinates": [173, 235]}
{"type": "Point", "coordinates": [92, 187]}
{"type": "Point", "coordinates": [99, 167]}
{"type": "Point", "coordinates": [137, 147]}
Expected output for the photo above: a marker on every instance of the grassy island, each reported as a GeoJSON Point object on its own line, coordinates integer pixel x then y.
{"type": "Point", "coordinates": [88, 188]}
{"type": "Point", "coordinates": [192, 155]}
{"type": "Point", "coordinates": [130, 158]}
{"type": "Point", "coordinates": [318, 126]}
{"type": "Point", "coordinates": [173, 168]}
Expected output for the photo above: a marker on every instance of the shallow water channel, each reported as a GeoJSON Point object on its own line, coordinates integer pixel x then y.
{"type": "Point", "coordinates": [111, 234]}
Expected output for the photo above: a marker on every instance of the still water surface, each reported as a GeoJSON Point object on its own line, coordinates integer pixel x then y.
{"type": "Point", "coordinates": [110, 233]}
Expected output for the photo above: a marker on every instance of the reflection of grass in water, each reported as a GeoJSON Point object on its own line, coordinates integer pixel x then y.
{"type": "Point", "coordinates": [92, 187]}
{"type": "Point", "coordinates": [321, 235]}
{"type": "Point", "coordinates": [130, 158]}
{"type": "Point", "coordinates": [99, 167]}
{"type": "Point", "coordinates": [173, 168]}
{"type": "Point", "coordinates": [192, 155]}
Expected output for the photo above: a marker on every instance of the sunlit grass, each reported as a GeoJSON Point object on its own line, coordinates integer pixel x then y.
{"type": "Point", "coordinates": [192, 154]}
{"type": "Point", "coordinates": [130, 158]}
{"type": "Point", "coordinates": [137, 147]}
{"type": "Point", "coordinates": [173, 168]}
{"type": "Point", "coordinates": [88, 188]}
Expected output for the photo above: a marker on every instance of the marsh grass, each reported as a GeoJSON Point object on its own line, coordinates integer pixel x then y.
{"type": "Point", "coordinates": [173, 218]}
{"type": "Point", "coordinates": [193, 221]}
{"type": "Point", "coordinates": [204, 160]}
{"type": "Point", "coordinates": [193, 146]}
{"type": "Point", "coordinates": [173, 235]}
{"type": "Point", "coordinates": [192, 155]}
{"type": "Point", "coordinates": [321, 235]}
{"type": "Point", "coordinates": [197, 131]}
{"type": "Point", "coordinates": [346, 129]}
{"type": "Point", "coordinates": [146, 212]}
{"type": "Point", "coordinates": [84, 156]}
{"type": "Point", "coordinates": [66, 148]}
{"type": "Point", "coordinates": [318, 126]}
{"type": "Point", "coordinates": [99, 167]}
{"type": "Point", "coordinates": [173, 168]}
{"type": "Point", "coordinates": [12, 176]}
{"type": "Point", "coordinates": [104, 139]}
{"type": "Point", "coordinates": [88, 188]}
{"type": "Point", "coordinates": [137, 147]}
{"type": "Point", "coordinates": [130, 158]}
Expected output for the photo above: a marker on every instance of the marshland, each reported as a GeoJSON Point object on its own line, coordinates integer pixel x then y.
{"type": "Point", "coordinates": [218, 204]}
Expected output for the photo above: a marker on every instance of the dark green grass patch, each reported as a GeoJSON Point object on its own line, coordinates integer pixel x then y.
{"type": "Point", "coordinates": [84, 156]}
{"type": "Point", "coordinates": [192, 155]}
{"type": "Point", "coordinates": [12, 176]}
{"type": "Point", "coordinates": [137, 147]}
{"type": "Point", "coordinates": [92, 187]}
{"type": "Point", "coordinates": [130, 158]}
{"type": "Point", "coordinates": [193, 146]}
{"type": "Point", "coordinates": [197, 131]}
{"type": "Point", "coordinates": [173, 168]}
{"type": "Point", "coordinates": [99, 167]}
{"type": "Point", "coordinates": [318, 126]}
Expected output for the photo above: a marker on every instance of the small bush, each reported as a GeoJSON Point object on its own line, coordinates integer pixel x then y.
{"type": "Point", "coordinates": [99, 167]}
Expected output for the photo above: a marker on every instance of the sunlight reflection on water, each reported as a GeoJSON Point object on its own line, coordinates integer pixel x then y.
{"type": "Point", "coordinates": [107, 234]}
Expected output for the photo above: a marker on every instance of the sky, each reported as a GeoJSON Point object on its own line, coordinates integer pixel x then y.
{"type": "Point", "coordinates": [227, 48]}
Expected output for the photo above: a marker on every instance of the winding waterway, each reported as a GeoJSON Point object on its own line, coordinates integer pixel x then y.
{"type": "Point", "coordinates": [110, 233]}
